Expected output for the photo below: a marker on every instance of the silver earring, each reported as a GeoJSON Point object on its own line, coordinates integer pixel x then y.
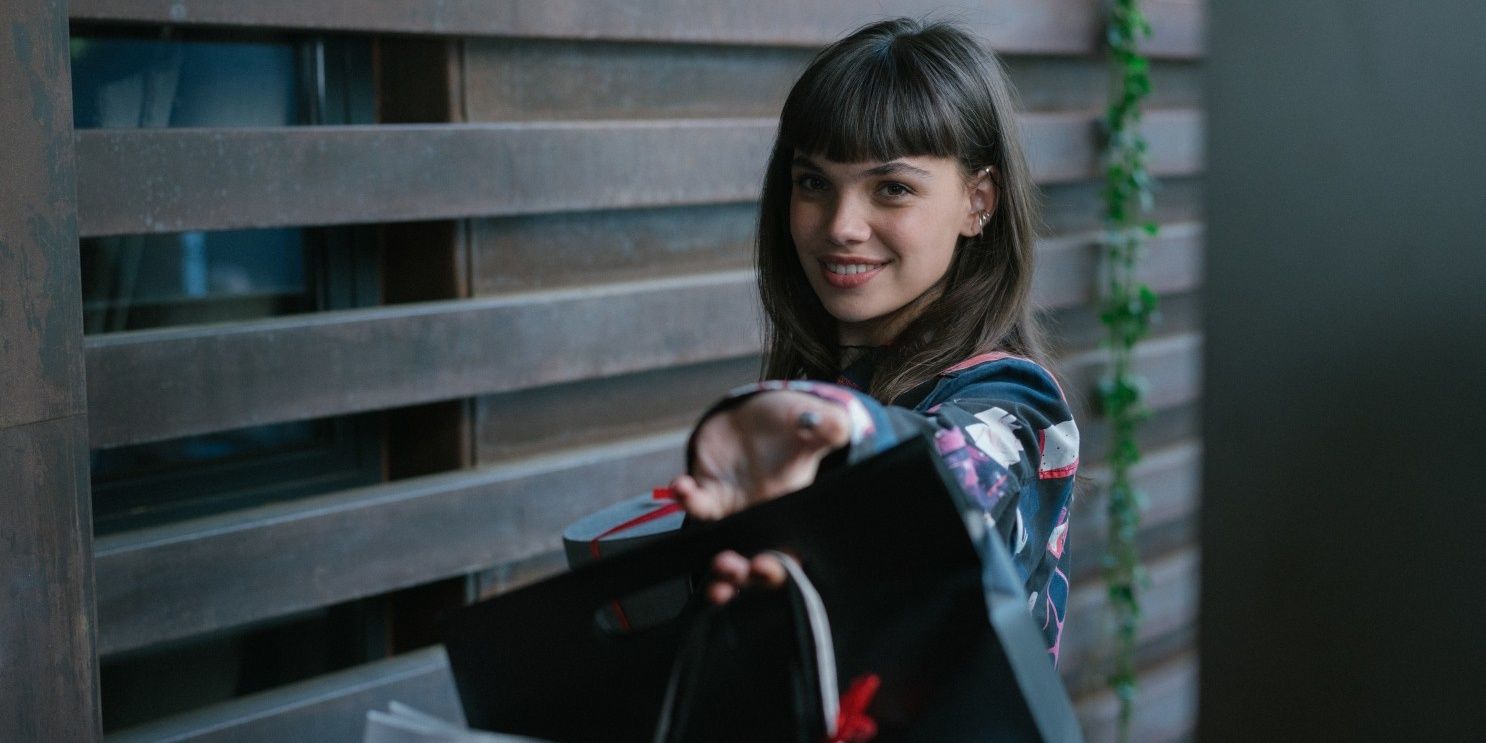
{"type": "Point", "coordinates": [985, 217]}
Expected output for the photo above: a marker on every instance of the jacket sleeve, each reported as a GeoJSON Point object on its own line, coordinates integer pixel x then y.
{"type": "Point", "coordinates": [1005, 430]}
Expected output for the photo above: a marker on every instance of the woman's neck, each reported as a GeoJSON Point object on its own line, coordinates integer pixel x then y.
{"type": "Point", "coordinates": [884, 331]}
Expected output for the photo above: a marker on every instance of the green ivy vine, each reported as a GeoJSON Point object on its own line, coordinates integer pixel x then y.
{"type": "Point", "coordinates": [1127, 313]}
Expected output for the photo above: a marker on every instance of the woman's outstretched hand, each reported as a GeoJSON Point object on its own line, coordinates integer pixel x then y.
{"type": "Point", "coordinates": [770, 444]}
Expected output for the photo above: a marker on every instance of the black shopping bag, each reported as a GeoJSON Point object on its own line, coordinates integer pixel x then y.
{"type": "Point", "coordinates": [919, 595]}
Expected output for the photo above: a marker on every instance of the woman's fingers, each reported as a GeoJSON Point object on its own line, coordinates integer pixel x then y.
{"type": "Point", "coordinates": [729, 574]}
{"type": "Point", "coordinates": [732, 572]}
{"type": "Point", "coordinates": [823, 426]}
{"type": "Point", "coordinates": [766, 571]}
{"type": "Point", "coordinates": [706, 499]}
{"type": "Point", "coordinates": [731, 567]}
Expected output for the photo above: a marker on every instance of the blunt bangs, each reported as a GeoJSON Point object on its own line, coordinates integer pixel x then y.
{"type": "Point", "coordinates": [878, 101]}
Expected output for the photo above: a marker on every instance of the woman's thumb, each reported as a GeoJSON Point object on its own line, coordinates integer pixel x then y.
{"type": "Point", "coordinates": [824, 428]}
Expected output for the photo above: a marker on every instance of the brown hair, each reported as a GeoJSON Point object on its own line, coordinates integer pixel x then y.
{"type": "Point", "coordinates": [891, 89]}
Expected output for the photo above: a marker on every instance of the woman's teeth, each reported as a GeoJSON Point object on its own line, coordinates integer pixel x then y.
{"type": "Point", "coordinates": [847, 269]}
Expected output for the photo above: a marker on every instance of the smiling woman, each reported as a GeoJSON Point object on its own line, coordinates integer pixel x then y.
{"type": "Point", "coordinates": [875, 241]}
{"type": "Point", "coordinates": [916, 121]}
{"type": "Point", "coordinates": [895, 262]}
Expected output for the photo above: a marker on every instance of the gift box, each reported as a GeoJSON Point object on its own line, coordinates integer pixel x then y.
{"type": "Point", "coordinates": [622, 527]}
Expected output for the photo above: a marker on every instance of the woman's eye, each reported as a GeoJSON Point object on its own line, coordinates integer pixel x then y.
{"type": "Point", "coordinates": [894, 190]}
{"type": "Point", "coordinates": [810, 182]}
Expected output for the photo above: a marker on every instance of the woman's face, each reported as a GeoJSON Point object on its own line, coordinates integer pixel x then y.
{"type": "Point", "coordinates": [873, 237]}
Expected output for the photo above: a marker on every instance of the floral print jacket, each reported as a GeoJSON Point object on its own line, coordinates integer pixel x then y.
{"type": "Point", "coordinates": [1003, 427]}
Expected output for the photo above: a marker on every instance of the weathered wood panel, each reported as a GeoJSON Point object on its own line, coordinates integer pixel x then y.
{"type": "Point", "coordinates": [167, 180]}
{"type": "Point", "coordinates": [1079, 207]}
{"type": "Point", "coordinates": [1168, 606]}
{"type": "Point", "coordinates": [1011, 26]}
{"type": "Point", "coordinates": [170, 582]}
{"type": "Point", "coordinates": [48, 672]}
{"type": "Point", "coordinates": [329, 708]}
{"type": "Point", "coordinates": [41, 316]}
{"type": "Point", "coordinates": [522, 253]}
{"type": "Point", "coordinates": [1076, 328]}
{"type": "Point", "coordinates": [157, 384]}
{"type": "Point", "coordinates": [133, 181]}
{"type": "Point", "coordinates": [1165, 427]}
{"type": "Point", "coordinates": [173, 581]}
{"type": "Point", "coordinates": [577, 248]}
{"type": "Point", "coordinates": [1169, 478]}
{"type": "Point", "coordinates": [1063, 147]}
{"type": "Point", "coordinates": [1069, 268]}
{"type": "Point", "coordinates": [582, 80]}
{"type": "Point", "coordinates": [1165, 706]}
{"type": "Point", "coordinates": [609, 408]}
{"type": "Point", "coordinates": [1170, 365]}
{"type": "Point", "coordinates": [525, 421]}
{"type": "Point", "coordinates": [162, 383]}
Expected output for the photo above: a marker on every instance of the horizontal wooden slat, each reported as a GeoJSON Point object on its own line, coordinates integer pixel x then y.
{"type": "Point", "coordinates": [552, 416]}
{"type": "Point", "coordinates": [1011, 26]}
{"type": "Point", "coordinates": [1169, 477]}
{"type": "Point", "coordinates": [1063, 147]}
{"type": "Point", "coordinates": [191, 577]}
{"type": "Point", "coordinates": [1078, 327]}
{"type": "Point", "coordinates": [541, 80]}
{"type": "Point", "coordinates": [187, 578]}
{"type": "Point", "coordinates": [552, 250]}
{"type": "Point", "coordinates": [155, 384]}
{"type": "Point", "coordinates": [1170, 367]}
{"type": "Point", "coordinates": [329, 708]}
{"type": "Point", "coordinates": [1168, 606]}
{"type": "Point", "coordinates": [167, 180]}
{"type": "Point", "coordinates": [1069, 267]}
{"type": "Point", "coordinates": [1079, 207]}
{"type": "Point", "coordinates": [1165, 706]}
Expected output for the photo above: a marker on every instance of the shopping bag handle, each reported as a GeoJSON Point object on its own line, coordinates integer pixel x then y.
{"type": "Point", "coordinates": [808, 607]}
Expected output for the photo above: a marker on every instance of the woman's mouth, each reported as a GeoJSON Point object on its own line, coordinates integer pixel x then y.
{"type": "Point", "coordinates": [846, 274]}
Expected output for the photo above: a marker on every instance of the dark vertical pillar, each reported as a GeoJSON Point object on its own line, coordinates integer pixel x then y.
{"type": "Point", "coordinates": [1345, 384]}
{"type": "Point", "coordinates": [48, 670]}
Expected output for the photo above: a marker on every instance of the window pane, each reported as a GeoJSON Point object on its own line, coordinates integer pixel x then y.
{"type": "Point", "coordinates": [159, 482]}
{"type": "Point", "coordinates": [129, 82]}
{"type": "Point", "coordinates": [155, 78]}
{"type": "Point", "coordinates": [146, 281]}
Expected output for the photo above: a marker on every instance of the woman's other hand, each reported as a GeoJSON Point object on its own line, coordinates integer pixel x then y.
{"type": "Point", "coordinates": [732, 572]}
{"type": "Point", "coordinates": [770, 444]}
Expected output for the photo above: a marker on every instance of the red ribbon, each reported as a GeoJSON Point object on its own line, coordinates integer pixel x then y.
{"type": "Point", "coordinates": [853, 725]}
{"type": "Point", "coordinates": [662, 512]}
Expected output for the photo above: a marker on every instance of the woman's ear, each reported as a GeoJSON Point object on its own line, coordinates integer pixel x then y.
{"type": "Point", "coordinates": [983, 195]}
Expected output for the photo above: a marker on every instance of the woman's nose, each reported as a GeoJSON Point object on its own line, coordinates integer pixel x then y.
{"type": "Point", "coordinates": [848, 223]}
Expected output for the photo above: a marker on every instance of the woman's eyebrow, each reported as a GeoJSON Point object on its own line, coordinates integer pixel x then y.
{"type": "Point", "coordinates": [801, 161]}
{"type": "Point", "coordinates": [897, 166]}
{"type": "Point", "coordinates": [888, 168]}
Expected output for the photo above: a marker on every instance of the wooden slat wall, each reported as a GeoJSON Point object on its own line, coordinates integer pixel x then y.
{"type": "Point", "coordinates": [163, 180]}
{"type": "Point", "coordinates": [48, 670]}
{"type": "Point", "coordinates": [601, 165]}
{"type": "Point", "coordinates": [329, 708]}
{"type": "Point", "coordinates": [1014, 26]}
{"type": "Point", "coordinates": [601, 80]}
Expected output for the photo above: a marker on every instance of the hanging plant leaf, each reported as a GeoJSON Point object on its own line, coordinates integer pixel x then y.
{"type": "Point", "coordinates": [1127, 313]}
